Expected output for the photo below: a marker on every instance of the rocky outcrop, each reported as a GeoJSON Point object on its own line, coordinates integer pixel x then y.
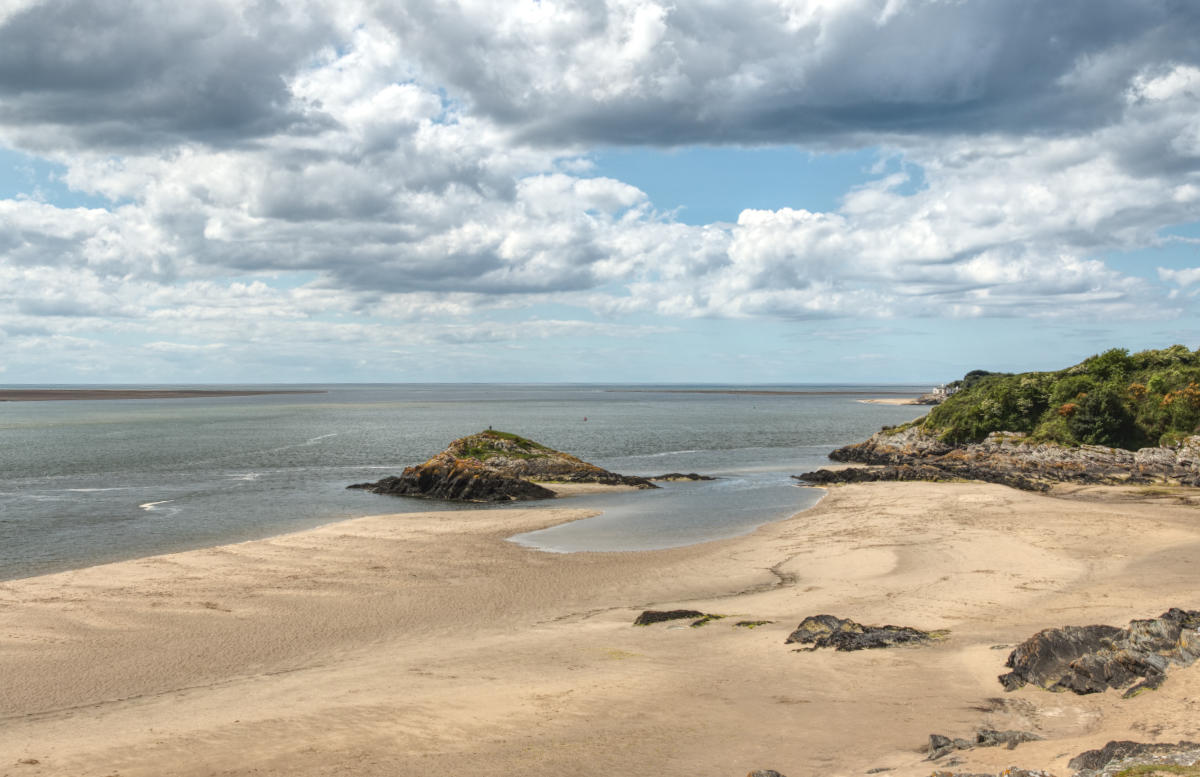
{"type": "Point", "coordinates": [456, 480]}
{"type": "Point", "coordinates": [495, 467]}
{"type": "Point", "coordinates": [672, 477]}
{"type": "Point", "coordinates": [843, 634]}
{"type": "Point", "coordinates": [1009, 459]}
{"type": "Point", "coordinates": [1119, 756]}
{"type": "Point", "coordinates": [1092, 659]}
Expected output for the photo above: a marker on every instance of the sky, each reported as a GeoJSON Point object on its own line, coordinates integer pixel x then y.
{"type": "Point", "coordinates": [760, 191]}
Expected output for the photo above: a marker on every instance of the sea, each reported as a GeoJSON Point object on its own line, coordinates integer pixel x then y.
{"type": "Point", "coordinates": [94, 481]}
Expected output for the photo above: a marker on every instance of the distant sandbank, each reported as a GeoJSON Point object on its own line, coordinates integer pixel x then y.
{"type": "Point", "coordinates": [54, 395]}
{"type": "Point", "coordinates": [772, 392]}
{"type": "Point", "coordinates": [890, 401]}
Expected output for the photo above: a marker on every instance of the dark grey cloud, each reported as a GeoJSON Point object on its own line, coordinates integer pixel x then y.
{"type": "Point", "coordinates": [754, 73]}
{"type": "Point", "coordinates": [130, 74]}
{"type": "Point", "coordinates": [126, 73]}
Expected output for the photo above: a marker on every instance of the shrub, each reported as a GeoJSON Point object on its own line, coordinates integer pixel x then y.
{"type": "Point", "coordinates": [1113, 399]}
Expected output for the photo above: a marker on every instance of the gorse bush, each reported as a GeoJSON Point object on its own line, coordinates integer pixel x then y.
{"type": "Point", "coordinates": [1115, 398]}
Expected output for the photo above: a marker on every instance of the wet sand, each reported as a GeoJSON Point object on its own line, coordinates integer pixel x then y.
{"type": "Point", "coordinates": [427, 644]}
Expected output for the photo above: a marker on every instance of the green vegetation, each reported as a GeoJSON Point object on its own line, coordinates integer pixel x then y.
{"type": "Point", "coordinates": [524, 442]}
{"type": "Point", "coordinates": [971, 378]}
{"type": "Point", "coordinates": [706, 619]}
{"type": "Point", "coordinates": [491, 443]}
{"type": "Point", "coordinates": [1116, 399]}
{"type": "Point", "coordinates": [1150, 770]}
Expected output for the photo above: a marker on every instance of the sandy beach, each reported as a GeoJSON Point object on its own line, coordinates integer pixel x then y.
{"type": "Point", "coordinates": [426, 644]}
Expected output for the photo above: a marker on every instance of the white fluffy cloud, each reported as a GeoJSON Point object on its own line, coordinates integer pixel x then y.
{"type": "Point", "coordinates": [332, 173]}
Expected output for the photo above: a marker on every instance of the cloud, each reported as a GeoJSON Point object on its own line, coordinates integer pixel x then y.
{"type": "Point", "coordinates": [331, 177]}
{"type": "Point", "coordinates": [1186, 277]}
{"type": "Point", "coordinates": [132, 73]}
{"type": "Point", "coordinates": [781, 71]}
{"type": "Point", "coordinates": [182, 350]}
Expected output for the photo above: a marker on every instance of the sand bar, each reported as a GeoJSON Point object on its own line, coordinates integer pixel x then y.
{"type": "Point", "coordinates": [47, 395]}
{"type": "Point", "coordinates": [427, 644]}
{"type": "Point", "coordinates": [756, 392]}
{"type": "Point", "coordinates": [890, 401]}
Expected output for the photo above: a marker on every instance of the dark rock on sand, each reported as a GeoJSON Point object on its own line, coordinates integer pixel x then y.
{"type": "Point", "coordinates": [658, 616]}
{"type": "Point", "coordinates": [678, 476]}
{"type": "Point", "coordinates": [1092, 659]}
{"type": "Point", "coordinates": [764, 773]}
{"type": "Point", "coordinates": [940, 745]}
{"type": "Point", "coordinates": [843, 634]}
{"type": "Point", "coordinates": [495, 467]}
{"type": "Point", "coordinates": [987, 737]}
{"type": "Point", "coordinates": [1117, 756]}
{"type": "Point", "coordinates": [918, 472]}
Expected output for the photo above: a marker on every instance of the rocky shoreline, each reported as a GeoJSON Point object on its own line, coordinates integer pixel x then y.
{"type": "Point", "coordinates": [1118, 758]}
{"type": "Point", "coordinates": [1009, 459]}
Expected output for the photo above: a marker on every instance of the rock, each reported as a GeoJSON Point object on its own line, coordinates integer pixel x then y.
{"type": "Point", "coordinates": [1045, 657]}
{"type": "Point", "coordinates": [1118, 756]}
{"type": "Point", "coordinates": [495, 467]}
{"type": "Point", "coordinates": [915, 472]}
{"type": "Point", "coordinates": [830, 631]}
{"type": "Point", "coordinates": [1010, 459]}
{"type": "Point", "coordinates": [678, 476]}
{"type": "Point", "coordinates": [764, 773]}
{"type": "Point", "coordinates": [987, 737]}
{"type": "Point", "coordinates": [1092, 659]}
{"type": "Point", "coordinates": [940, 745]}
{"type": "Point", "coordinates": [752, 624]}
{"type": "Point", "coordinates": [461, 480]}
{"type": "Point", "coordinates": [658, 616]}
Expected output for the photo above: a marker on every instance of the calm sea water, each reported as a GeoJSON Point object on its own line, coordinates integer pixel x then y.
{"type": "Point", "coordinates": [87, 482]}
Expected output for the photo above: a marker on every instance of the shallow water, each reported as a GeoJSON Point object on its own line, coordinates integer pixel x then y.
{"type": "Point", "coordinates": [86, 482]}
